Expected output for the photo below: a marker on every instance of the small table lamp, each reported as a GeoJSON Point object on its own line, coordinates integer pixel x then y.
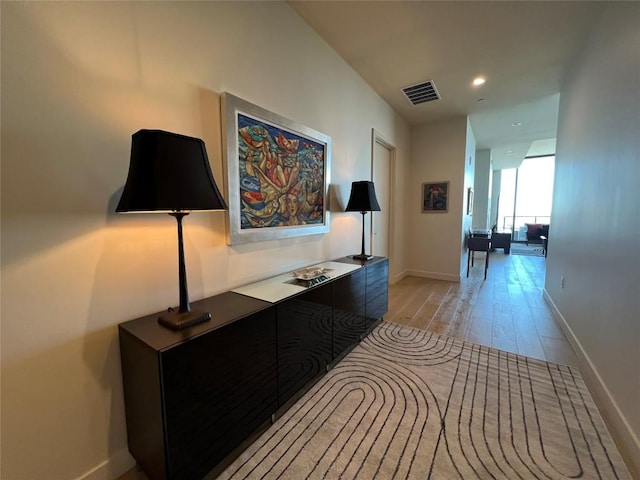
{"type": "Point", "coordinates": [363, 199]}
{"type": "Point", "coordinates": [170, 173]}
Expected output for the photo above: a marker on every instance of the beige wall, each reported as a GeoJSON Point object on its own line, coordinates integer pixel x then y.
{"type": "Point", "coordinates": [439, 152]}
{"type": "Point", "coordinates": [78, 79]}
{"type": "Point", "coordinates": [594, 237]}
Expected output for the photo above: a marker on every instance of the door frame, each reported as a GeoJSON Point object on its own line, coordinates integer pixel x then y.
{"type": "Point", "coordinates": [378, 137]}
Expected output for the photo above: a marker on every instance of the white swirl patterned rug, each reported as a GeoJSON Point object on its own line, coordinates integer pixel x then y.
{"type": "Point", "coordinates": [410, 404]}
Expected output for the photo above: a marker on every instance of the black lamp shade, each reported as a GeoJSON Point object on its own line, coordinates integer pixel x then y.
{"type": "Point", "coordinates": [363, 198]}
{"type": "Point", "coordinates": [169, 172]}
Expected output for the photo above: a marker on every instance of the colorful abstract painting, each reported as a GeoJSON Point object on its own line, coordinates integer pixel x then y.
{"type": "Point", "coordinates": [281, 176]}
{"type": "Point", "coordinates": [277, 174]}
{"type": "Point", "coordinates": [435, 197]}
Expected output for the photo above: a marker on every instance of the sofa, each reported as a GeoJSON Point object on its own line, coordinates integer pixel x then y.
{"type": "Point", "coordinates": [535, 230]}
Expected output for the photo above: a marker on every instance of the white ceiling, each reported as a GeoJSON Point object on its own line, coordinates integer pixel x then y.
{"type": "Point", "coordinates": [522, 48]}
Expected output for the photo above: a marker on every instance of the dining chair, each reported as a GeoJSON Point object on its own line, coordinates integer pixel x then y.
{"type": "Point", "coordinates": [478, 244]}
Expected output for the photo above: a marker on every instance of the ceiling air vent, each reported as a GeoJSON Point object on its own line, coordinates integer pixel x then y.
{"type": "Point", "coordinates": [421, 92]}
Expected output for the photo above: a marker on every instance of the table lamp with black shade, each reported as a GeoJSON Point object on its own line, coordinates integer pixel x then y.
{"type": "Point", "coordinates": [170, 173]}
{"type": "Point", "coordinates": [363, 199]}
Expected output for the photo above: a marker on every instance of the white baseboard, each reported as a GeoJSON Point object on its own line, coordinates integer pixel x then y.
{"type": "Point", "coordinates": [435, 275]}
{"type": "Point", "coordinates": [114, 467]}
{"type": "Point", "coordinates": [626, 440]}
{"type": "Point", "coordinates": [396, 278]}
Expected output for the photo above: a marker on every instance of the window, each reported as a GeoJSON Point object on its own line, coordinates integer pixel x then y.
{"type": "Point", "coordinates": [526, 194]}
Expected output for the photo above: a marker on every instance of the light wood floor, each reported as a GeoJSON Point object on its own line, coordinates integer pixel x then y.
{"type": "Point", "coordinates": [506, 311]}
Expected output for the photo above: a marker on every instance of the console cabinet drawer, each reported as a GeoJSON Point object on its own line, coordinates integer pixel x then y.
{"type": "Point", "coordinates": [348, 311]}
{"type": "Point", "coordinates": [304, 340]}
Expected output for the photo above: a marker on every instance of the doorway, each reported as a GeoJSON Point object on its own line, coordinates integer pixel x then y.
{"type": "Point", "coordinates": [382, 174]}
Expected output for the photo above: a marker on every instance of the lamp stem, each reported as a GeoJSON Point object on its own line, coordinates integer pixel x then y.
{"type": "Point", "coordinates": [184, 317]}
{"type": "Point", "coordinates": [182, 270]}
{"type": "Point", "coordinates": [362, 256]}
{"type": "Point", "coordinates": [362, 248]}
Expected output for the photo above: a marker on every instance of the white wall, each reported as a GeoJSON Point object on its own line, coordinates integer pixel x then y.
{"type": "Point", "coordinates": [482, 193]}
{"type": "Point", "coordinates": [439, 152]}
{"type": "Point", "coordinates": [495, 198]}
{"type": "Point", "coordinates": [78, 78]}
{"type": "Point", "coordinates": [594, 241]}
{"type": "Point", "coordinates": [469, 169]}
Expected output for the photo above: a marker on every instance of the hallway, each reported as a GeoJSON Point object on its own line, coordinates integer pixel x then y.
{"type": "Point", "coordinates": [506, 311]}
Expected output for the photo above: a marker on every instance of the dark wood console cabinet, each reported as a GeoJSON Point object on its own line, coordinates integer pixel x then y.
{"type": "Point", "coordinates": [193, 397]}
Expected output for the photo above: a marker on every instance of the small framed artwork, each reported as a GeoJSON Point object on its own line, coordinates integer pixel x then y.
{"type": "Point", "coordinates": [435, 197]}
{"type": "Point", "coordinates": [469, 201]}
{"type": "Point", "coordinates": [277, 174]}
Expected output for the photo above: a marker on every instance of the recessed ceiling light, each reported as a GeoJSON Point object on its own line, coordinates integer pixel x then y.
{"type": "Point", "coordinates": [516, 124]}
{"type": "Point", "coordinates": [478, 81]}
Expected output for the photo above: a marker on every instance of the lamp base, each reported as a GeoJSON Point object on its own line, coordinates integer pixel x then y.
{"type": "Point", "coordinates": [362, 257]}
{"type": "Point", "coordinates": [179, 320]}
